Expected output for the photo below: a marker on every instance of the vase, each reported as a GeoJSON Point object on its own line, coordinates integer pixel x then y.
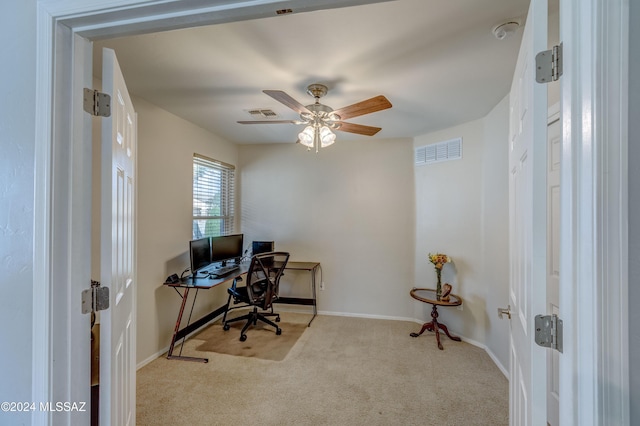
{"type": "Point", "coordinates": [439, 284]}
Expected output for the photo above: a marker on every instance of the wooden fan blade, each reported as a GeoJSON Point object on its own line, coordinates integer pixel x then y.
{"type": "Point", "coordinates": [358, 128]}
{"type": "Point", "coordinates": [365, 107]}
{"type": "Point", "coordinates": [287, 100]}
{"type": "Point", "coordinates": [270, 122]}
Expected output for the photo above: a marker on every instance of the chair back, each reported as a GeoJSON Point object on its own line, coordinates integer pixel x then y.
{"type": "Point", "coordinates": [263, 277]}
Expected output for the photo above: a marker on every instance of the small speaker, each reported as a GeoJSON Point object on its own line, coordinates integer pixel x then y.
{"type": "Point", "coordinates": [262, 247]}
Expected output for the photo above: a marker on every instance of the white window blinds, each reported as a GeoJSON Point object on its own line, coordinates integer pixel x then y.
{"type": "Point", "coordinates": [213, 197]}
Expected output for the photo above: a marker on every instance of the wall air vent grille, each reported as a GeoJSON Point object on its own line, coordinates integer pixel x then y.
{"type": "Point", "coordinates": [262, 113]}
{"type": "Point", "coordinates": [438, 152]}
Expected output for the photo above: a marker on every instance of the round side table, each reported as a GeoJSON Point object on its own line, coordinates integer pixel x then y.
{"type": "Point", "coordinates": [428, 295]}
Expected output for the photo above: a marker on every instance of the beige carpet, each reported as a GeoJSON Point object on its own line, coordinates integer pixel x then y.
{"type": "Point", "coordinates": [341, 371]}
{"type": "Point", "coordinates": [262, 341]}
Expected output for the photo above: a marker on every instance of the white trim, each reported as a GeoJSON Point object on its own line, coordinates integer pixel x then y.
{"type": "Point", "coordinates": [41, 340]}
{"type": "Point", "coordinates": [496, 361]}
{"type": "Point", "coordinates": [594, 383]}
{"type": "Point", "coordinates": [612, 118]}
{"type": "Point", "coordinates": [369, 316]}
{"type": "Point", "coordinates": [152, 357]}
{"type": "Point", "coordinates": [111, 18]}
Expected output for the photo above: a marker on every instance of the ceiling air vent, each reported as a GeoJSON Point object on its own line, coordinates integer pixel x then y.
{"type": "Point", "coordinates": [262, 113]}
{"type": "Point", "coordinates": [438, 152]}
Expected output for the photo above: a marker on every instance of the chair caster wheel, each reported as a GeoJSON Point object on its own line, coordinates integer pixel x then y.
{"type": "Point", "coordinates": [243, 337]}
{"type": "Point", "coordinates": [226, 327]}
{"type": "Point", "coordinates": [279, 331]}
{"type": "Point", "coordinates": [277, 319]}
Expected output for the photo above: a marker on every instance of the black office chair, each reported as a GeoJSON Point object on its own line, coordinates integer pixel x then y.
{"type": "Point", "coordinates": [260, 291]}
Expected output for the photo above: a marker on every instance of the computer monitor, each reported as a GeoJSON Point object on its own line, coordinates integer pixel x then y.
{"type": "Point", "coordinates": [228, 247]}
{"type": "Point", "coordinates": [200, 251]}
{"type": "Point", "coordinates": [258, 247]}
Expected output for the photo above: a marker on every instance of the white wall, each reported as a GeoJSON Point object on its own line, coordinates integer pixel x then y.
{"type": "Point", "coordinates": [350, 207]}
{"type": "Point", "coordinates": [449, 220]}
{"type": "Point", "coordinates": [166, 144]}
{"type": "Point", "coordinates": [17, 115]}
{"type": "Point", "coordinates": [495, 230]}
{"type": "Point", "coordinates": [462, 211]}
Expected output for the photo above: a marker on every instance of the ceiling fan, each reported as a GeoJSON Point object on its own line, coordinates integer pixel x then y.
{"type": "Point", "coordinates": [320, 119]}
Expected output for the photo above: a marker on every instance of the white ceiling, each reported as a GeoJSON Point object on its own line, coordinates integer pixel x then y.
{"type": "Point", "coordinates": [437, 61]}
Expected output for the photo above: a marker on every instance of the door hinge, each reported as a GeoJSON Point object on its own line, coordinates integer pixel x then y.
{"type": "Point", "coordinates": [96, 103]}
{"type": "Point", "coordinates": [95, 299]}
{"type": "Point", "coordinates": [549, 65]}
{"type": "Point", "coordinates": [549, 331]}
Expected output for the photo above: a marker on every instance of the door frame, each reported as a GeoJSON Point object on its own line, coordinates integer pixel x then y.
{"type": "Point", "coordinates": [594, 32]}
{"type": "Point", "coordinates": [594, 212]}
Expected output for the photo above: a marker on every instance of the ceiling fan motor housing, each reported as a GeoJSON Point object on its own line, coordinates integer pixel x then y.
{"type": "Point", "coordinates": [317, 90]}
{"type": "Point", "coordinates": [321, 115]}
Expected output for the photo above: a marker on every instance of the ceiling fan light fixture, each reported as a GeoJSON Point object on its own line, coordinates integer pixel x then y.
{"type": "Point", "coordinates": [327, 137]}
{"type": "Point", "coordinates": [307, 136]}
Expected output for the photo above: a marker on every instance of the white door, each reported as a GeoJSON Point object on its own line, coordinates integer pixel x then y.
{"type": "Point", "coordinates": [527, 225]}
{"type": "Point", "coordinates": [554, 143]}
{"type": "Point", "coordinates": [118, 323]}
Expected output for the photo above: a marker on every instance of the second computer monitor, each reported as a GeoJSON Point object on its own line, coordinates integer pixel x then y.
{"type": "Point", "coordinates": [258, 247]}
{"type": "Point", "coordinates": [228, 247]}
{"type": "Point", "coordinates": [200, 253]}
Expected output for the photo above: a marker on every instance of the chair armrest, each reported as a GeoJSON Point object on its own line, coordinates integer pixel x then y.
{"type": "Point", "coordinates": [235, 281]}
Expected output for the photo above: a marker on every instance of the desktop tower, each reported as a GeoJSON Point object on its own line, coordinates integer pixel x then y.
{"type": "Point", "coordinates": [262, 247]}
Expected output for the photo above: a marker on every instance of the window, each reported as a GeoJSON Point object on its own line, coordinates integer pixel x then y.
{"type": "Point", "coordinates": [213, 197]}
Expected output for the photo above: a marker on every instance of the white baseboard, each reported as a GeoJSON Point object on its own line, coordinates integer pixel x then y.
{"type": "Point", "coordinates": [371, 316]}
{"type": "Point", "coordinates": [152, 358]}
{"type": "Point", "coordinates": [166, 348]}
{"type": "Point", "coordinates": [497, 363]}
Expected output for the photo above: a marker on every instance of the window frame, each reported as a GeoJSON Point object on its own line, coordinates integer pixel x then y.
{"type": "Point", "coordinates": [222, 185]}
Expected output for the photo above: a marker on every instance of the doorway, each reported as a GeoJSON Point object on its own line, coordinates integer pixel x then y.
{"type": "Point", "coordinates": [97, 20]}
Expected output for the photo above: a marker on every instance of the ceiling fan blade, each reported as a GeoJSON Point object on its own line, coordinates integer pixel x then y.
{"type": "Point", "coordinates": [365, 107]}
{"type": "Point", "coordinates": [358, 128]}
{"type": "Point", "coordinates": [271, 122]}
{"type": "Point", "coordinates": [287, 100]}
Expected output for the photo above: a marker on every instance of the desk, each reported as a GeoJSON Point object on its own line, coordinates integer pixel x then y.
{"type": "Point", "coordinates": [312, 268]}
{"type": "Point", "coordinates": [206, 283]}
{"type": "Point", "coordinates": [203, 283]}
{"type": "Point", "coordinates": [427, 295]}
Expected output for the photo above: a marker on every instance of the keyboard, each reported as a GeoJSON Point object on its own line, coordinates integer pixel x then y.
{"type": "Point", "coordinates": [224, 271]}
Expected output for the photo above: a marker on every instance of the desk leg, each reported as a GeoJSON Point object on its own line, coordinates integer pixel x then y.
{"type": "Point", "coordinates": [313, 290]}
{"type": "Point", "coordinates": [177, 329]}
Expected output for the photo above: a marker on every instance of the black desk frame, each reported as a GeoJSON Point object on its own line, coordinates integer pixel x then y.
{"type": "Point", "coordinates": [312, 268]}
{"type": "Point", "coordinates": [208, 283]}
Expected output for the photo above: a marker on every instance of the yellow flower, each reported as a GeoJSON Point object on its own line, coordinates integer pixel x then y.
{"type": "Point", "coordinates": [439, 259]}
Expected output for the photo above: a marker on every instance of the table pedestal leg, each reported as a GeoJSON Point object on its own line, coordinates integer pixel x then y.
{"type": "Point", "coordinates": [434, 325]}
